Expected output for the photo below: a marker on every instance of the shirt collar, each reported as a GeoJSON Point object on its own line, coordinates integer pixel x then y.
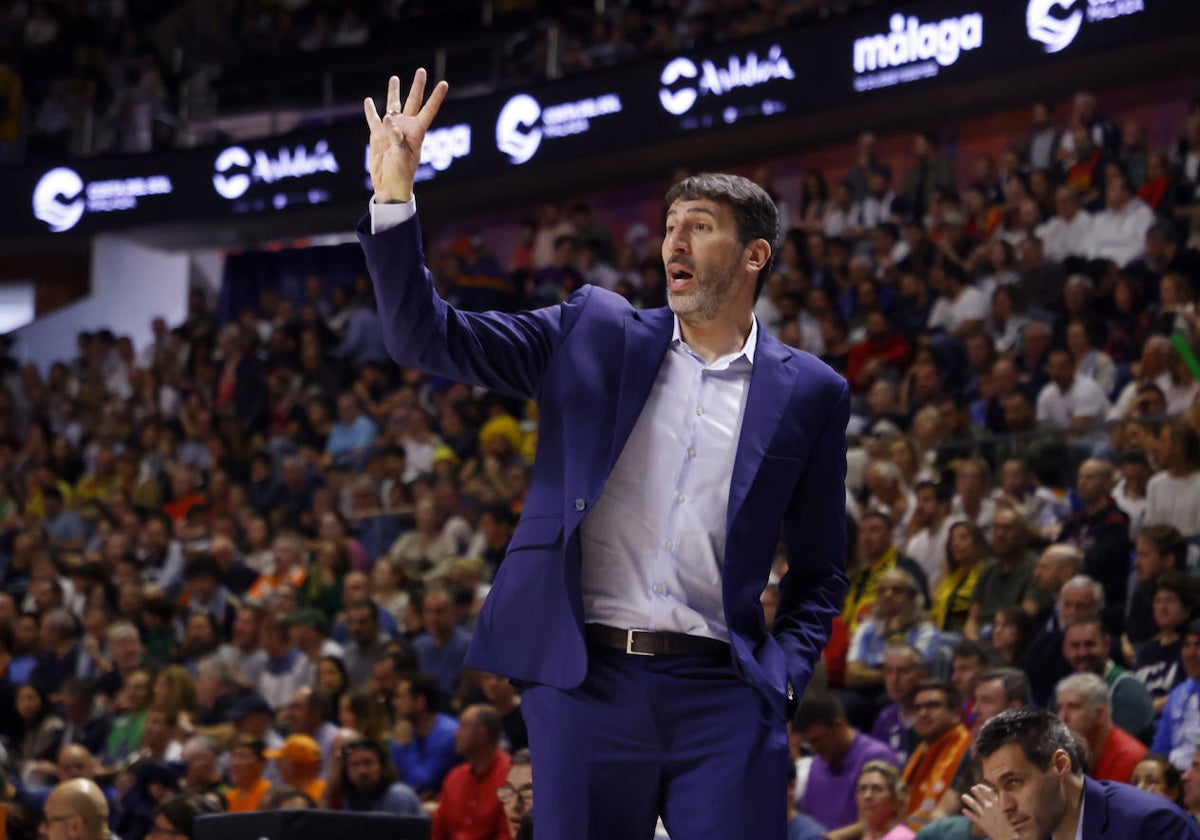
{"type": "Point", "coordinates": [747, 349]}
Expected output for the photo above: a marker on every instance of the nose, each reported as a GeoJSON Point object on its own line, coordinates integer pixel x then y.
{"type": "Point", "coordinates": [676, 240]}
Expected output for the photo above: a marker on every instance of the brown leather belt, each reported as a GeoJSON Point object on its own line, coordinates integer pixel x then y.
{"type": "Point", "coordinates": [656, 642]}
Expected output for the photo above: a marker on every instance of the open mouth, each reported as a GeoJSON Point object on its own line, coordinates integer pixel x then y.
{"type": "Point", "coordinates": [678, 277]}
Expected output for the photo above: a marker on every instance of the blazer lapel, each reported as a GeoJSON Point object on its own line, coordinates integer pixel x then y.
{"type": "Point", "coordinates": [1095, 809]}
{"type": "Point", "coordinates": [647, 336]}
{"type": "Point", "coordinates": [765, 404]}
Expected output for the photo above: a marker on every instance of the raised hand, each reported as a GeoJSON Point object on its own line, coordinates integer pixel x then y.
{"type": "Point", "coordinates": [396, 137]}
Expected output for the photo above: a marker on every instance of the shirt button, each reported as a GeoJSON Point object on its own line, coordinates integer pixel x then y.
{"type": "Point", "coordinates": [657, 626]}
{"type": "Point", "coordinates": [699, 411]}
{"type": "Point", "coordinates": [679, 498]}
{"type": "Point", "coordinates": [691, 453]}
{"type": "Point", "coordinates": [659, 589]}
{"type": "Point", "coordinates": [580, 504]}
{"type": "Point", "coordinates": [669, 544]}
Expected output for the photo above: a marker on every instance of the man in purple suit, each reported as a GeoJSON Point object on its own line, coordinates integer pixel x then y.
{"type": "Point", "coordinates": [1034, 788]}
{"type": "Point", "coordinates": [674, 445]}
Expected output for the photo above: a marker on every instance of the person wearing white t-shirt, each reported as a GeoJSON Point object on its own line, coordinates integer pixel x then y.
{"type": "Point", "coordinates": [1065, 234]}
{"type": "Point", "coordinates": [1173, 494]}
{"type": "Point", "coordinates": [960, 306]}
{"type": "Point", "coordinates": [1071, 402]}
{"type": "Point", "coordinates": [1119, 231]}
{"type": "Point", "coordinates": [929, 529]}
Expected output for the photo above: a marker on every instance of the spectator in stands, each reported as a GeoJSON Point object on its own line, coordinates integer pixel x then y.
{"type": "Point", "coordinates": [125, 655]}
{"type": "Point", "coordinates": [442, 650]}
{"type": "Point", "coordinates": [85, 722]}
{"type": "Point", "coordinates": [1083, 705]}
{"type": "Point", "coordinates": [1178, 733]}
{"type": "Point", "coordinates": [1100, 530]}
{"type": "Point", "coordinates": [897, 615]}
{"type": "Point", "coordinates": [839, 754]}
{"type": "Point", "coordinates": [1118, 232]}
{"type": "Point", "coordinates": [202, 776]}
{"type": "Point", "coordinates": [369, 782]}
{"type": "Point", "coordinates": [1157, 663]}
{"type": "Point", "coordinates": [929, 529]}
{"type": "Point", "coordinates": [1078, 596]}
{"type": "Point", "coordinates": [426, 758]}
{"type": "Point", "coordinates": [176, 816]}
{"type": "Point", "coordinates": [243, 652]}
{"type": "Point", "coordinates": [966, 553]}
{"type": "Point", "coordinates": [1173, 494]}
{"type": "Point", "coordinates": [1086, 648]}
{"type": "Point", "coordinates": [1158, 549]}
{"type": "Point", "coordinates": [299, 765]}
{"type": "Point", "coordinates": [76, 809]}
{"type": "Point", "coordinates": [468, 806]}
{"type": "Point", "coordinates": [1072, 402]}
{"type": "Point", "coordinates": [944, 741]}
{"type": "Point", "coordinates": [62, 655]}
{"type": "Point", "coordinates": [879, 799]}
{"type": "Point", "coordinates": [1155, 774]}
{"type": "Point", "coordinates": [285, 669]}
{"type": "Point", "coordinates": [1012, 630]}
{"type": "Point", "coordinates": [247, 762]}
{"type": "Point", "coordinates": [516, 795]}
{"type": "Point", "coordinates": [366, 643]}
{"type": "Point", "coordinates": [1007, 579]}
{"type": "Point", "coordinates": [972, 502]}
{"type": "Point", "coordinates": [930, 172]}
{"type": "Point", "coordinates": [502, 695]}
{"type": "Point", "coordinates": [1065, 234]}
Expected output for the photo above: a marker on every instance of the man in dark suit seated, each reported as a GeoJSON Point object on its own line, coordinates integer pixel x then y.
{"type": "Point", "coordinates": [1034, 788]}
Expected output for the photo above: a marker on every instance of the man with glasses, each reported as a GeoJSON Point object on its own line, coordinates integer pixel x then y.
{"type": "Point", "coordinates": [77, 810]}
{"type": "Point", "coordinates": [944, 741]}
{"type": "Point", "coordinates": [903, 669]}
{"type": "Point", "coordinates": [516, 795]}
{"type": "Point", "coordinates": [839, 751]}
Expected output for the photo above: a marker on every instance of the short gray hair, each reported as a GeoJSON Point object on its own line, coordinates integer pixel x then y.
{"type": "Point", "coordinates": [1091, 687]}
{"type": "Point", "coordinates": [1086, 582]}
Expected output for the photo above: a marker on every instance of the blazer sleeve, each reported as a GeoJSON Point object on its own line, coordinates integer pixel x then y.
{"type": "Point", "coordinates": [501, 352]}
{"type": "Point", "coordinates": [812, 591]}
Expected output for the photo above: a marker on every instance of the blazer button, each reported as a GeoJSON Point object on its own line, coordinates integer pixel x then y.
{"type": "Point", "coordinates": [580, 504]}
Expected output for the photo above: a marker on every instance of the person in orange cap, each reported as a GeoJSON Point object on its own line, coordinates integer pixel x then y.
{"type": "Point", "coordinates": [299, 763]}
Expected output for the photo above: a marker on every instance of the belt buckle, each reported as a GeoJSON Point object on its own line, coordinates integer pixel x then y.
{"type": "Point", "coordinates": [629, 643]}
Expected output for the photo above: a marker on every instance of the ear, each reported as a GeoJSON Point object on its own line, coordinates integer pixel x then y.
{"type": "Point", "coordinates": [1062, 763]}
{"type": "Point", "coordinates": [757, 253]}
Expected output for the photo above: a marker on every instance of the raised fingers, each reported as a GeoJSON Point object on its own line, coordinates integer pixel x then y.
{"type": "Point", "coordinates": [431, 107]}
{"type": "Point", "coordinates": [412, 105]}
{"type": "Point", "coordinates": [393, 95]}
{"type": "Point", "coordinates": [373, 120]}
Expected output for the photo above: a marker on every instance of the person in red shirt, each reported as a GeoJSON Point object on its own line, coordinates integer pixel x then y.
{"type": "Point", "coordinates": [883, 350]}
{"type": "Point", "coordinates": [468, 808]}
{"type": "Point", "coordinates": [1083, 706]}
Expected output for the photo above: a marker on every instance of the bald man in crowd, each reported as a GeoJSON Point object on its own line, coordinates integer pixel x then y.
{"type": "Point", "coordinates": [76, 809]}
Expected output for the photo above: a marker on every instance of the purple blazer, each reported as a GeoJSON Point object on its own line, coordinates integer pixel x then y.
{"type": "Point", "coordinates": [590, 364]}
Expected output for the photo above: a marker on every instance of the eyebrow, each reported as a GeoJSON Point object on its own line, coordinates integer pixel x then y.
{"type": "Point", "coordinates": [690, 210]}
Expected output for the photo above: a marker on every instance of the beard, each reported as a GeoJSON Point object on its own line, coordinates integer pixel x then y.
{"type": "Point", "coordinates": [712, 287]}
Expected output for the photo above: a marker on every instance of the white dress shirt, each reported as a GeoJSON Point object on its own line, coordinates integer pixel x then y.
{"type": "Point", "coordinates": [1061, 238]}
{"type": "Point", "coordinates": [1120, 235]}
{"type": "Point", "coordinates": [654, 543]}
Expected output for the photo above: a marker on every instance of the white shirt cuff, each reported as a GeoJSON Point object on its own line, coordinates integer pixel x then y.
{"type": "Point", "coordinates": [387, 216]}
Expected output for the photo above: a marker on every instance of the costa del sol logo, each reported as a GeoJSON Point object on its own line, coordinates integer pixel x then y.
{"type": "Point", "coordinates": [1056, 23]}
{"type": "Point", "coordinates": [1053, 32]}
{"type": "Point", "coordinates": [58, 199]}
